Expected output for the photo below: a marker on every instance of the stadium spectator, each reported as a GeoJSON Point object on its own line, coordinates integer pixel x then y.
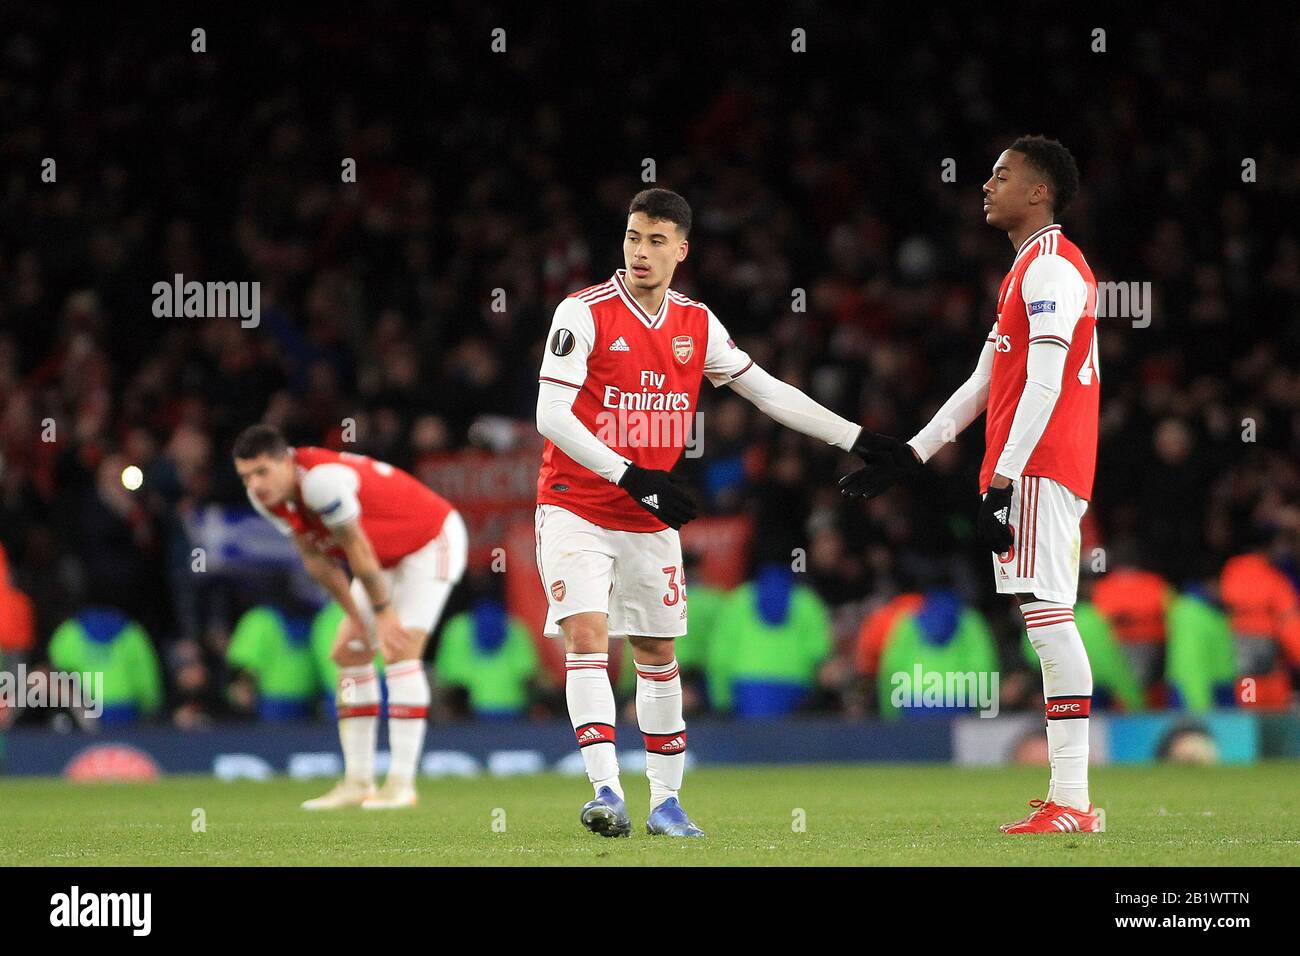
{"type": "Point", "coordinates": [1264, 613]}
{"type": "Point", "coordinates": [933, 646]}
{"type": "Point", "coordinates": [1200, 665]}
{"type": "Point", "coordinates": [876, 628]}
{"type": "Point", "coordinates": [102, 640]}
{"type": "Point", "coordinates": [1135, 604]}
{"type": "Point", "coordinates": [768, 641]}
{"type": "Point", "coordinates": [17, 618]}
{"type": "Point", "coordinates": [272, 648]}
{"type": "Point", "coordinates": [490, 654]}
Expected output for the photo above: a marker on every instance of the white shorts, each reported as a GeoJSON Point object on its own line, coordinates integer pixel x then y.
{"type": "Point", "coordinates": [422, 581]}
{"type": "Point", "coordinates": [1044, 558]}
{"type": "Point", "coordinates": [635, 577]}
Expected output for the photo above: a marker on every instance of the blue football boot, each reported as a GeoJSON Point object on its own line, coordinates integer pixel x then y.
{"type": "Point", "coordinates": [669, 819]}
{"type": "Point", "coordinates": [607, 815]}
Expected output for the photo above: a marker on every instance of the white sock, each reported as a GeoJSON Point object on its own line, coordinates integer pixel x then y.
{"type": "Point", "coordinates": [1051, 759]}
{"type": "Point", "coordinates": [1067, 690]}
{"type": "Point", "coordinates": [408, 712]}
{"type": "Point", "coordinates": [659, 713]}
{"type": "Point", "coordinates": [591, 711]}
{"type": "Point", "coordinates": [358, 707]}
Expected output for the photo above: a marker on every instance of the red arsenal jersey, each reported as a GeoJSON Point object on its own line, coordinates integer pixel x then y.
{"type": "Point", "coordinates": [398, 513]}
{"type": "Point", "coordinates": [1049, 295]}
{"type": "Point", "coordinates": [637, 378]}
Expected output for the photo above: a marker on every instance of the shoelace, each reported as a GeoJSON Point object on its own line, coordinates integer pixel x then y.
{"type": "Point", "coordinates": [1040, 807]}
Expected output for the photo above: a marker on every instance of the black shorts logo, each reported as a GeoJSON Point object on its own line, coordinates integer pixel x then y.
{"type": "Point", "coordinates": [562, 342]}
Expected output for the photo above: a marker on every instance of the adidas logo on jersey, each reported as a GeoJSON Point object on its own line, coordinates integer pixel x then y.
{"type": "Point", "coordinates": [652, 501]}
{"type": "Point", "coordinates": [620, 346]}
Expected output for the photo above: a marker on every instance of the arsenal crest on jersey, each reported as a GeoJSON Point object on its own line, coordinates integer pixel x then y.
{"type": "Point", "coordinates": [683, 348]}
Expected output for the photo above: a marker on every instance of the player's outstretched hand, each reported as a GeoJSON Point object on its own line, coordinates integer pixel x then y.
{"type": "Point", "coordinates": [887, 460]}
{"type": "Point", "coordinates": [993, 524]}
{"type": "Point", "coordinates": [661, 493]}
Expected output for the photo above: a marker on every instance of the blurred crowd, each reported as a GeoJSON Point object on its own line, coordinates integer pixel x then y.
{"type": "Point", "coordinates": [414, 302]}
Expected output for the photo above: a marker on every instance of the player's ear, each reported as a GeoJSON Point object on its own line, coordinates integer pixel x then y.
{"type": "Point", "coordinates": [682, 248]}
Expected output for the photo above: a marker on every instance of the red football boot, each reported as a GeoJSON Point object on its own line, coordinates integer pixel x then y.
{"type": "Point", "coordinates": [1048, 817]}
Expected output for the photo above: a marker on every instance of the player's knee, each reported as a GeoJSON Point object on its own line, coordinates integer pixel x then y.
{"type": "Point", "coordinates": [412, 649]}
{"type": "Point", "coordinates": [655, 651]}
{"type": "Point", "coordinates": [585, 634]}
{"type": "Point", "coordinates": [345, 656]}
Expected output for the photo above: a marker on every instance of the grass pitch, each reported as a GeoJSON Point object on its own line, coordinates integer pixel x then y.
{"type": "Point", "coordinates": [850, 815]}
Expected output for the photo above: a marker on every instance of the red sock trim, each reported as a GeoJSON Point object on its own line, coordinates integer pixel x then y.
{"type": "Point", "coordinates": [407, 712]}
{"type": "Point", "coordinates": [665, 743]}
{"type": "Point", "coordinates": [657, 675]}
{"type": "Point", "coordinates": [1068, 708]}
{"type": "Point", "coordinates": [358, 710]}
{"type": "Point", "coordinates": [594, 733]}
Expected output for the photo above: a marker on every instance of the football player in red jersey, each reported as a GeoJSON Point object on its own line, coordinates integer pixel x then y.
{"type": "Point", "coordinates": [1038, 380]}
{"type": "Point", "coordinates": [618, 387]}
{"type": "Point", "coordinates": [406, 547]}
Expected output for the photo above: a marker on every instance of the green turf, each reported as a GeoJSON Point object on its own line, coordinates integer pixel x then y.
{"type": "Point", "coordinates": [854, 815]}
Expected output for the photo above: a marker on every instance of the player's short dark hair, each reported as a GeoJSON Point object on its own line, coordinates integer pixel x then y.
{"type": "Point", "coordinates": [260, 440]}
{"type": "Point", "coordinates": [1054, 161]}
{"type": "Point", "coordinates": [663, 204]}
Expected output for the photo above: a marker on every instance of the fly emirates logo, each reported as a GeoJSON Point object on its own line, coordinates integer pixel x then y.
{"type": "Point", "coordinates": [650, 418]}
{"type": "Point", "coordinates": [650, 398]}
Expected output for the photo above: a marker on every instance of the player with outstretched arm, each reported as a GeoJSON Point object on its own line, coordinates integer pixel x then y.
{"type": "Point", "coordinates": [406, 548]}
{"type": "Point", "coordinates": [1038, 379]}
{"type": "Point", "coordinates": [618, 388]}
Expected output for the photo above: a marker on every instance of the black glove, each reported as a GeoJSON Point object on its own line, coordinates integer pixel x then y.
{"type": "Point", "coordinates": [992, 526]}
{"type": "Point", "coordinates": [661, 493]}
{"type": "Point", "coordinates": [887, 460]}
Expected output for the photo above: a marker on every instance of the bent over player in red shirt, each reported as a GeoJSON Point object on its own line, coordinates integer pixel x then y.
{"type": "Point", "coordinates": [619, 383]}
{"type": "Point", "coordinates": [1038, 380]}
{"type": "Point", "coordinates": [406, 547]}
